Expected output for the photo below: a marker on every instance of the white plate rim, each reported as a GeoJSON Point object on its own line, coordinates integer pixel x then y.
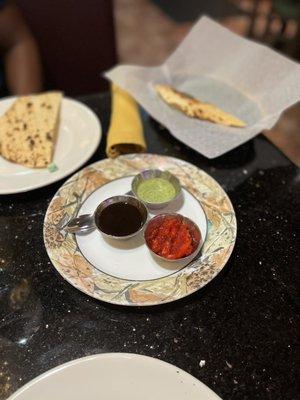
{"type": "Point", "coordinates": [165, 364]}
{"type": "Point", "coordinates": [66, 172]}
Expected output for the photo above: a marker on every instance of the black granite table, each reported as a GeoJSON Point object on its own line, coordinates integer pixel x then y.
{"type": "Point", "coordinates": [243, 324]}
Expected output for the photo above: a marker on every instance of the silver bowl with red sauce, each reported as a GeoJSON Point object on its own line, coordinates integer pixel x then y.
{"type": "Point", "coordinates": [184, 241]}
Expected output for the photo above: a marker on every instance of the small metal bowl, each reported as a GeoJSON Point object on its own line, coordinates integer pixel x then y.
{"type": "Point", "coordinates": [195, 231]}
{"type": "Point", "coordinates": [156, 173]}
{"type": "Point", "coordinates": [121, 199]}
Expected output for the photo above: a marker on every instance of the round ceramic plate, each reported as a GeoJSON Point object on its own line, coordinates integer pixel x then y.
{"type": "Point", "coordinates": [79, 136]}
{"type": "Point", "coordinates": [124, 272]}
{"type": "Point", "coordinates": [115, 376]}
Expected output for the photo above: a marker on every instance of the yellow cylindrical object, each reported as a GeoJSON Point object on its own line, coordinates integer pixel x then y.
{"type": "Point", "coordinates": [125, 134]}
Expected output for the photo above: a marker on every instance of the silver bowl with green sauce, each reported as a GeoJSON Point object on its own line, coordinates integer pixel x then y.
{"type": "Point", "coordinates": [156, 188]}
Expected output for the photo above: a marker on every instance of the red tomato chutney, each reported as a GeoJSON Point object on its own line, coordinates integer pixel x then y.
{"type": "Point", "coordinates": [172, 236]}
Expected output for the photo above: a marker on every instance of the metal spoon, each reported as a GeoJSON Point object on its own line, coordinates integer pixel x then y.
{"type": "Point", "coordinates": [84, 223]}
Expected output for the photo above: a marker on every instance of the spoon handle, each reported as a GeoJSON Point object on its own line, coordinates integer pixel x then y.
{"type": "Point", "coordinates": [83, 224]}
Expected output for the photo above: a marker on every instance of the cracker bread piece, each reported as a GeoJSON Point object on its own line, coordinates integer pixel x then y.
{"type": "Point", "coordinates": [195, 108]}
{"type": "Point", "coordinates": [29, 129]}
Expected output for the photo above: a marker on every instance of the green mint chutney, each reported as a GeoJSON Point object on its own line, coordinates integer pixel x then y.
{"type": "Point", "coordinates": [156, 190]}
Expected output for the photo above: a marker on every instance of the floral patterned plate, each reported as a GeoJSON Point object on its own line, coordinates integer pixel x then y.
{"type": "Point", "coordinates": [124, 272]}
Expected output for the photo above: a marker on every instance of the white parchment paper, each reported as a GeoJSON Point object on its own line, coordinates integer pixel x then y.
{"type": "Point", "coordinates": [215, 65]}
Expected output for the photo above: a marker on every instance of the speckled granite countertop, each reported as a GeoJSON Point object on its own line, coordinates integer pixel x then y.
{"type": "Point", "coordinates": [237, 335]}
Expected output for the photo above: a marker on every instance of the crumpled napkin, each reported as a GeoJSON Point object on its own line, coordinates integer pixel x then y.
{"type": "Point", "coordinates": [244, 78]}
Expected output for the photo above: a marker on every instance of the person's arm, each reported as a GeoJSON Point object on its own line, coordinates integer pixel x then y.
{"type": "Point", "coordinates": [20, 52]}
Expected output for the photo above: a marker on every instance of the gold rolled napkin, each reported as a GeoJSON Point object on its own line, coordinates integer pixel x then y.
{"type": "Point", "coordinates": [125, 134]}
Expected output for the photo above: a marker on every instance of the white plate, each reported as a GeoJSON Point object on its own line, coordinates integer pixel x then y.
{"type": "Point", "coordinates": [79, 136]}
{"type": "Point", "coordinates": [115, 376]}
{"type": "Point", "coordinates": [131, 259]}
